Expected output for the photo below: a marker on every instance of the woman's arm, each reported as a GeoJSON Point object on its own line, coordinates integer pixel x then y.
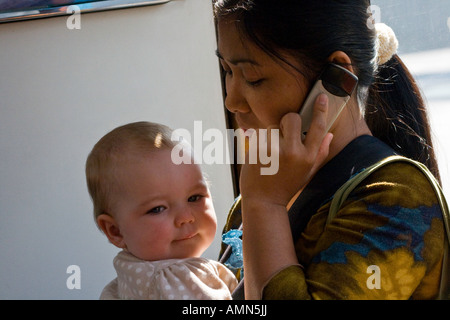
{"type": "Point", "coordinates": [267, 241]}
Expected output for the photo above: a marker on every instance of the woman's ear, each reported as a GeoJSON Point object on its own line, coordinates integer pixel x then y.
{"type": "Point", "coordinates": [111, 229]}
{"type": "Point", "coordinates": [342, 59]}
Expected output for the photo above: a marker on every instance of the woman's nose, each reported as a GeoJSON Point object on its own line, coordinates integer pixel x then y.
{"type": "Point", "coordinates": [235, 101]}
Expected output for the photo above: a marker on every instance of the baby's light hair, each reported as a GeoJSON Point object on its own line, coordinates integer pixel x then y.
{"type": "Point", "coordinates": [103, 162]}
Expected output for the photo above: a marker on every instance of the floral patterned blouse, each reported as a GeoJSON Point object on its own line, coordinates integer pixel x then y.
{"type": "Point", "coordinates": [387, 241]}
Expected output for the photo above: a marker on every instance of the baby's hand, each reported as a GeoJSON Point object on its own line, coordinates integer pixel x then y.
{"type": "Point", "coordinates": [298, 160]}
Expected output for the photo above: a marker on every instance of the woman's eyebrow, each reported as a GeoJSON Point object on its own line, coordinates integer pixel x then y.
{"type": "Point", "coordinates": [237, 61]}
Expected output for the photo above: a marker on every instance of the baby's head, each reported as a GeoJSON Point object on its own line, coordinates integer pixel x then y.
{"type": "Point", "coordinates": [145, 203]}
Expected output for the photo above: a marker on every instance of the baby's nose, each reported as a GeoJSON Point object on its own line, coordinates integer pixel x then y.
{"type": "Point", "coordinates": [184, 216]}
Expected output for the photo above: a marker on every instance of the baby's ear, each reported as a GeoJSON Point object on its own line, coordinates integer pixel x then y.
{"type": "Point", "coordinates": [111, 229]}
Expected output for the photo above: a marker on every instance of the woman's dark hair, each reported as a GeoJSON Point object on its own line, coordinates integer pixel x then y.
{"type": "Point", "coordinates": [396, 114]}
{"type": "Point", "coordinates": [311, 30]}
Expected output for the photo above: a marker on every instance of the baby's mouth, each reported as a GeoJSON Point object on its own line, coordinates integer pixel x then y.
{"type": "Point", "coordinates": [186, 237]}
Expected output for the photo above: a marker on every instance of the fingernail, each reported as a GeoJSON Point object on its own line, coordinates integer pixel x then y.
{"type": "Point", "coordinates": [323, 99]}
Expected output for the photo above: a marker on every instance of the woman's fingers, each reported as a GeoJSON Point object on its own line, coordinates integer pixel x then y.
{"type": "Point", "coordinates": [323, 151]}
{"type": "Point", "coordinates": [317, 130]}
{"type": "Point", "coordinates": [285, 162]}
{"type": "Point", "coordinates": [291, 127]}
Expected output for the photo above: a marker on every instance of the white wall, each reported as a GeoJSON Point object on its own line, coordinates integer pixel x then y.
{"type": "Point", "coordinates": [60, 91]}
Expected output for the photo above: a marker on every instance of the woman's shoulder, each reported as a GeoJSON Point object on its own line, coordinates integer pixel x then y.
{"type": "Point", "coordinates": [398, 194]}
{"type": "Point", "coordinates": [400, 184]}
{"type": "Point", "coordinates": [392, 219]}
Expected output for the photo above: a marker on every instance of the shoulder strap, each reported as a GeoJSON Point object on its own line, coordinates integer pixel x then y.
{"type": "Point", "coordinates": [341, 195]}
{"type": "Point", "coordinates": [361, 153]}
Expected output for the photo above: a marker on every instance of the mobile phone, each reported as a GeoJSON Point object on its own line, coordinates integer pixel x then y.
{"type": "Point", "coordinates": [338, 84]}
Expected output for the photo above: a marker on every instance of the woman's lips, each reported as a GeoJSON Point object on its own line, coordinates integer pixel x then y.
{"type": "Point", "coordinates": [241, 124]}
{"type": "Point", "coordinates": [246, 128]}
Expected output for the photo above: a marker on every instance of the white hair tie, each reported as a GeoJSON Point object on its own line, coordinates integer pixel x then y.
{"type": "Point", "coordinates": [386, 43]}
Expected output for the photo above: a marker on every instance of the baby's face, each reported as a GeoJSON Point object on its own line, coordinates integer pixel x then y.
{"type": "Point", "coordinates": [164, 211]}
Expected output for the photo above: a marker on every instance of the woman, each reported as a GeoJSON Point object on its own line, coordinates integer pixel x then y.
{"type": "Point", "coordinates": [387, 240]}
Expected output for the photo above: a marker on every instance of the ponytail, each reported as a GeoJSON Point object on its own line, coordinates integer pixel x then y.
{"type": "Point", "coordinates": [396, 114]}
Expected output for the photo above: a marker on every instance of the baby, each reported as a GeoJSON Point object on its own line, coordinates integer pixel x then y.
{"type": "Point", "coordinates": [161, 215]}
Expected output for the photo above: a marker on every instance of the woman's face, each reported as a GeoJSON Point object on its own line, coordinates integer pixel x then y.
{"type": "Point", "coordinates": [260, 90]}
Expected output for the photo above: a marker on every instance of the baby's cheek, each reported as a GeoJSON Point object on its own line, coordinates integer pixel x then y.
{"type": "Point", "coordinates": [211, 231]}
{"type": "Point", "coordinates": [153, 244]}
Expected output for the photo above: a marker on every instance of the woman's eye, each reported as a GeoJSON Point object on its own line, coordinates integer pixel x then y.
{"type": "Point", "coordinates": [194, 198]}
{"type": "Point", "coordinates": [227, 72]}
{"type": "Point", "coordinates": [255, 83]}
{"type": "Point", "coordinates": [156, 210]}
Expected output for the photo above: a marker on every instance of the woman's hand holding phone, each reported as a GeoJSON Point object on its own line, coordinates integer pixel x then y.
{"type": "Point", "coordinates": [298, 160]}
{"type": "Point", "coordinates": [303, 140]}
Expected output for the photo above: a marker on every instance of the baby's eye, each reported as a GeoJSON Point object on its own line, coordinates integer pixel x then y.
{"type": "Point", "coordinates": [195, 198]}
{"type": "Point", "coordinates": [156, 210]}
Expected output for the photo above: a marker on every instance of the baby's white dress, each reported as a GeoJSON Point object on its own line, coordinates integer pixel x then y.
{"type": "Point", "coordinates": [173, 279]}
